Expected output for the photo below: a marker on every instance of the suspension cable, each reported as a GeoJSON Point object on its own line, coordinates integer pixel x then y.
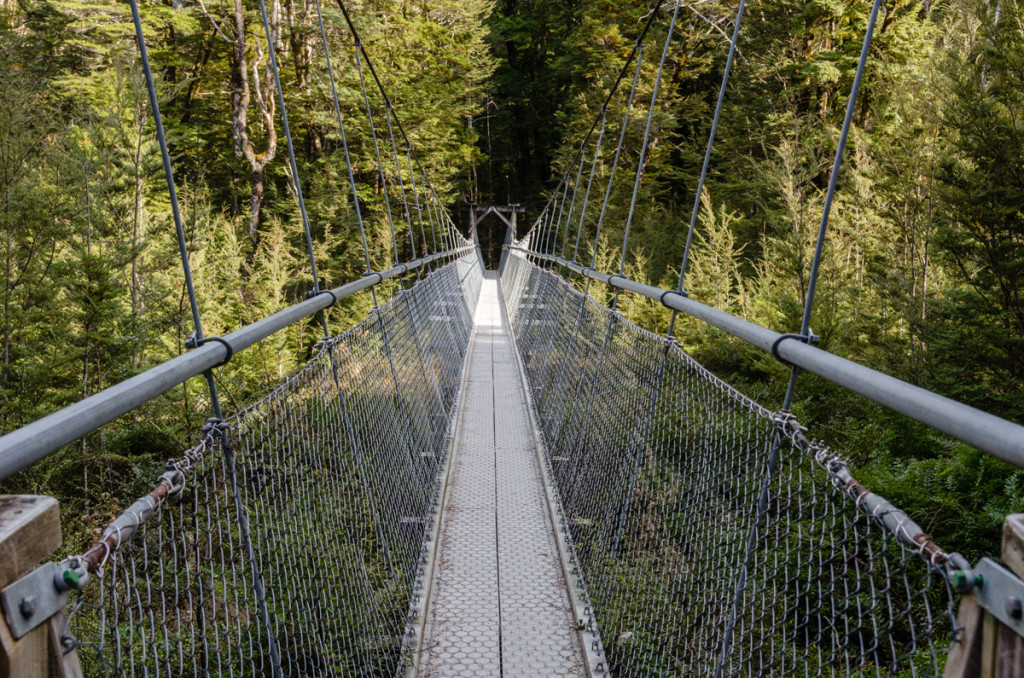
{"type": "Point", "coordinates": [296, 183]}
{"type": "Point", "coordinates": [707, 153]}
{"type": "Point", "coordinates": [647, 134]}
{"type": "Point", "coordinates": [833, 181]}
{"type": "Point", "coordinates": [618, 153]}
{"type": "Point", "coordinates": [172, 191]}
{"type": "Point", "coordinates": [344, 138]}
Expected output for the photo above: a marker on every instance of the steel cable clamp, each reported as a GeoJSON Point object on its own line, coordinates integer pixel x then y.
{"type": "Point", "coordinates": [682, 293]}
{"type": "Point", "coordinates": [810, 339]}
{"type": "Point", "coordinates": [316, 293]}
{"type": "Point", "coordinates": [192, 342]}
{"type": "Point", "coordinates": [214, 428]}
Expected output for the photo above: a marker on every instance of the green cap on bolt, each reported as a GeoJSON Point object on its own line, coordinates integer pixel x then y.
{"type": "Point", "coordinates": [965, 581]}
{"type": "Point", "coordinates": [71, 578]}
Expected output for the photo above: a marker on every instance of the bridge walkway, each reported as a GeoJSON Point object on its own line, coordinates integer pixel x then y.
{"type": "Point", "coordinates": [499, 603]}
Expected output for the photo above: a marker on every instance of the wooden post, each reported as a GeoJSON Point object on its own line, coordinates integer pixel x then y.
{"type": "Point", "coordinates": [30, 533]}
{"type": "Point", "coordinates": [988, 648]}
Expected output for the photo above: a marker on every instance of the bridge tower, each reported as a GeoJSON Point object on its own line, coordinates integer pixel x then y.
{"type": "Point", "coordinates": [477, 213]}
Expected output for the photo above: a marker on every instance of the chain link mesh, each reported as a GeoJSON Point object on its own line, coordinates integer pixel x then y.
{"type": "Point", "coordinates": [711, 535]}
{"type": "Point", "coordinates": [289, 541]}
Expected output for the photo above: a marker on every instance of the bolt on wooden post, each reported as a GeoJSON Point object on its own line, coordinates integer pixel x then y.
{"type": "Point", "coordinates": [29, 534]}
{"type": "Point", "coordinates": [987, 648]}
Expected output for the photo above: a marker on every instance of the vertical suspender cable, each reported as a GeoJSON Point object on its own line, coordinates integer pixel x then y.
{"type": "Point", "coordinates": [615, 85]}
{"type": "Point", "coordinates": [615, 164]}
{"type": "Point", "coordinates": [360, 49]}
{"type": "Point", "coordinates": [772, 462]}
{"type": "Point", "coordinates": [430, 216]}
{"type": "Point", "coordinates": [601, 118]}
{"type": "Point", "coordinates": [833, 181]}
{"type": "Point", "coordinates": [376, 146]}
{"type": "Point", "coordinates": [175, 207]}
{"type": "Point", "coordinates": [556, 222]}
{"type": "Point", "coordinates": [350, 429]}
{"type": "Point", "coordinates": [618, 152]}
{"type": "Point", "coordinates": [707, 155]}
{"type": "Point", "coordinates": [296, 183]}
{"type": "Point", "coordinates": [647, 135]}
{"type": "Point", "coordinates": [590, 182]}
{"type": "Point", "coordinates": [398, 172]}
{"type": "Point", "coordinates": [229, 460]}
{"type": "Point", "coordinates": [344, 138]}
{"type": "Point", "coordinates": [572, 205]}
{"type": "Point", "coordinates": [561, 213]}
{"type": "Point", "coordinates": [639, 454]}
{"type": "Point", "coordinates": [411, 446]}
{"type": "Point", "coordinates": [361, 55]}
{"type": "Point", "coordinates": [576, 475]}
{"type": "Point", "coordinates": [539, 226]}
{"type": "Point", "coordinates": [416, 197]}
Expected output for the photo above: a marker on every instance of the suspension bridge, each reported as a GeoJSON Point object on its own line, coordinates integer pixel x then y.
{"type": "Point", "coordinates": [495, 474]}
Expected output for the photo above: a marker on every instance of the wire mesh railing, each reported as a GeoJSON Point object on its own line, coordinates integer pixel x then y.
{"type": "Point", "coordinates": [288, 542]}
{"type": "Point", "coordinates": [712, 536]}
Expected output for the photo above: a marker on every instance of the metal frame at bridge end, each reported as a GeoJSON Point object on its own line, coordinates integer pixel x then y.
{"type": "Point", "coordinates": [989, 631]}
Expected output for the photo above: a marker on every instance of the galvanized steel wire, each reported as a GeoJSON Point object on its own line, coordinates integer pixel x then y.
{"type": "Point", "coordinates": [662, 512]}
{"type": "Point", "coordinates": [337, 471]}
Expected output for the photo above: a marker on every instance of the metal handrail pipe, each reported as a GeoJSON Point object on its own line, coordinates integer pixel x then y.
{"type": "Point", "coordinates": [23, 447]}
{"type": "Point", "coordinates": [997, 436]}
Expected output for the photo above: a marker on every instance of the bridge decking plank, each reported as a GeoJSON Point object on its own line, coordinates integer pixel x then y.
{"type": "Point", "coordinates": [500, 605]}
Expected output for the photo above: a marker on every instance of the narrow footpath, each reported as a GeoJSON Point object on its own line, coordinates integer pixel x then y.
{"type": "Point", "coordinates": [499, 603]}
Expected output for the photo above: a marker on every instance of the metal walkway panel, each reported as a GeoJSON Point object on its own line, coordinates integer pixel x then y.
{"type": "Point", "coordinates": [500, 604]}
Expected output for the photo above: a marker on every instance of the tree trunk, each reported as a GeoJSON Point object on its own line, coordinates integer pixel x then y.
{"type": "Point", "coordinates": [255, 204]}
{"type": "Point", "coordinates": [241, 98]}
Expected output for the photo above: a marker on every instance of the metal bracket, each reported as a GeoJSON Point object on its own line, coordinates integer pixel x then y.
{"type": "Point", "coordinates": [1001, 593]}
{"type": "Point", "coordinates": [34, 598]}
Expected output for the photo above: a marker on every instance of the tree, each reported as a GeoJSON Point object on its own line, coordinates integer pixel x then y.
{"type": "Point", "coordinates": [980, 223]}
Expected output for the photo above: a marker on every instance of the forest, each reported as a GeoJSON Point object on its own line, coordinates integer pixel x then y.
{"type": "Point", "coordinates": [921, 276]}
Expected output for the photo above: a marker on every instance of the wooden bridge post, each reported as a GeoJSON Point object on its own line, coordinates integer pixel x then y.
{"type": "Point", "coordinates": [30, 533]}
{"type": "Point", "coordinates": [988, 648]}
